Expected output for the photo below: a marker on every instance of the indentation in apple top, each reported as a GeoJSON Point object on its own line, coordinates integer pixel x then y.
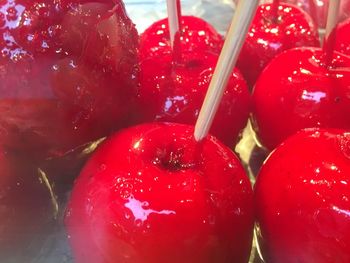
{"type": "Point", "coordinates": [173, 154]}
{"type": "Point", "coordinates": [173, 160]}
{"type": "Point", "coordinates": [176, 157]}
{"type": "Point", "coordinates": [194, 63]}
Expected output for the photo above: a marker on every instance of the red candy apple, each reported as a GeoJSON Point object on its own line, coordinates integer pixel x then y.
{"type": "Point", "coordinates": [67, 72]}
{"type": "Point", "coordinates": [195, 35]}
{"type": "Point", "coordinates": [298, 90]}
{"type": "Point", "coordinates": [173, 91]}
{"type": "Point", "coordinates": [318, 9]}
{"type": "Point", "coordinates": [302, 198]}
{"type": "Point", "coordinates": [271, 33]}
{"type": "Point", "coordinates": [152, 194]}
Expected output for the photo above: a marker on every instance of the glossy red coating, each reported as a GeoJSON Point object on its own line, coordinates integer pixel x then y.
{"type": "Point", "coordinates": [270, 34]}
{"type": "Point", "coordinates": [25, 208]}
{"type": "Point", "coordinates": [297, 90]}
{"type": "Point", "coordinates": [318, 9]}
{"type": "Point", "coordinates": [174, 92]}
{"type": "Point", "coordinates": [67, 72]}
{"type": "Point", "coordinates": [151, 194]}
{"type": "Point", "coordinates": [302, 198]}
{"type": "Point", "coordinates": [195, 35]}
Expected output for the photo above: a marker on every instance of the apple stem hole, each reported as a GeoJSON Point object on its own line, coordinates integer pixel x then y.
{"type": "Point", "coordinates": [190, 64]}
{"type": "Point", "coordinates": [173, 160]}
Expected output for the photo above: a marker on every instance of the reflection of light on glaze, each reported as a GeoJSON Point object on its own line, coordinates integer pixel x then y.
{"type": "Point", "coordinates": [274, 31]}
{"type": "Point", "coordinates": [141, 212]}
{"type": "Point", "coordinates": [137, 144]}
{"type": "Point", "coordinates": [169, 101]}
{"type": "Point", "coordinates": [275, 45]}
{"type": "Point", "coordinates": [305, 71]}
{"type": "Point", "coordinates": [263, 42]}
{"type": "Point", "coordinates": [314, 96]}
{"type": "Point", "coordinates": [12, 47]}
{"type": "Point", "coordinates": [13, 23]}
{"type": "Point", "coordinates": [320, 3]}
{"type": "Point", "coordinates": [341, 211]}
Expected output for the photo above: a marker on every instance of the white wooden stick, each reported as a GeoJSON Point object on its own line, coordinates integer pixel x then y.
{"type": "Point", "coordinates": [332, 17]}
{"type": "Point", "coordinates": [236, 35]}
{"type": "Point", "coordinates": [173, 18]}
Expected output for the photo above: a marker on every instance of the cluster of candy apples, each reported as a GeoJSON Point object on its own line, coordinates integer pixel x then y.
{"type": "Point", "coordinates": [132, 169]}
{"type": "Point", "coordinates": [304, 88]}
{"type": "Point", "coordinates": [205, 213]}
{"type": "Point", "coordinates": [72, 72]}
{"type": "Point", "coordinates": [302, 191]}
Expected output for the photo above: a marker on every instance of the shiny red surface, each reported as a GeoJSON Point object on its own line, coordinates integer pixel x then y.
{"type": "Point", "coordinates": [25, 208]}
{"type": "Point", "coordinates": [318, 9]}
{"type": "Point", "coordinates": [297, 90]}
{"type": "Point", "coordinates": [174, 92]}
{"type": "Point", "coordinates": [67, 72]}
{"type": "Point", "coordinates": [195, 35]}
{"type": "Point", "coordinates": [151, 194]}
{"type": "Point", "coordinates": [302, 199]}
{"type": "Point", "coordinates": [270, 34]}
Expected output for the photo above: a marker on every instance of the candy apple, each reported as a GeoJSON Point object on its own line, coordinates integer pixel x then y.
{"type": "Point", "coordinates": [174, 92]}
{"type": "Point", "coordinates": [152, 194]}
{"type": "Point", "coordinates": [318, 10]}
{"type": "Point", "coordinates": [271, 33]}
{"type": "Point", "coordinates": [299, 90]}
{"type": "Point", "coordinates": [195, 35]}
{"type": "Point", "coordinates": [25, 208]}
{"type": "Point", "coordinates": [67, 72]}
{"type": "Point", "coordinates": [302, 198]}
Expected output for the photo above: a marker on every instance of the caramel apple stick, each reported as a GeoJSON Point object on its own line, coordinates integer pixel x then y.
{"type": "Point", "coordinates": [274, 6]}
{"type": "Point", "coordinates": [332, 17]}
{"type": "Point", "coordinates": [330, 35]}
{"type": "Point", "coordinates": [234, 40]}
{"type": "Point", "coordinates": [173, 18]}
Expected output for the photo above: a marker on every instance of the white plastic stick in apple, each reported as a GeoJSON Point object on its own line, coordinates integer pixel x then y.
{"type": "Point", "coordinates": [173, 18]}
{"type": "Point", "coordinates": [227, 60]}
{"type": "Point", "coordinates": [332, 17]}
{"type": "Point", "coordinates": [329, 38]}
